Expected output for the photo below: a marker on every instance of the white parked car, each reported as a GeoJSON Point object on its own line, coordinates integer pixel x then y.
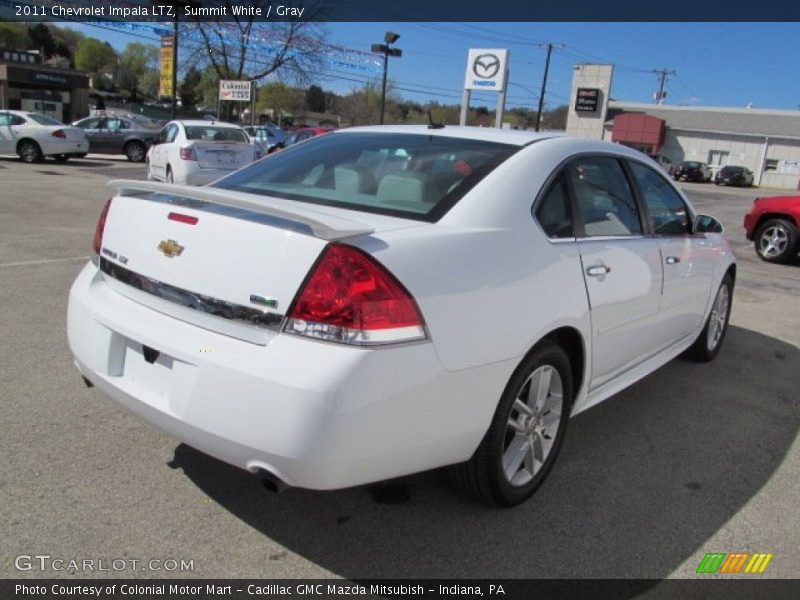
{"type": "Point", "coordinates": [199, 152]}
{"type": "Point", "coordinates": [32, 136]}
{"type": "Point", "coordinates": [385, 300]}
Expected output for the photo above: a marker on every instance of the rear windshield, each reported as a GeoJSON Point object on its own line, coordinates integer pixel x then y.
{"type": "Point", "coordinates": [209, 133]}
{"type": "Point", "coordinates": [689, 163]}
{"type": "Point", "coordinates": [42, 119]}
{"type": "Point", "coordinates": [414, 176]}
{"type": "Point", "coordinates": [733, 169]}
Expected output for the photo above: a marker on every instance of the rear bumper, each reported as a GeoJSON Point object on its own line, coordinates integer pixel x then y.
{"type": "Point", "coordinates": [316, 415]}
{"type": "Point", "coordinates": [195, 175]}
{"type": "Point", "coordinates": [57, 146]}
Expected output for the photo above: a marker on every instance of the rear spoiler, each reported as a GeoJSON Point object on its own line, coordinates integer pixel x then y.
{"type": "Point", "coordinates": [322, 225]}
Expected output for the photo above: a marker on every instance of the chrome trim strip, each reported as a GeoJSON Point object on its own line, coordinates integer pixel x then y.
{"type": "Point", "coordinates": [193, 300]}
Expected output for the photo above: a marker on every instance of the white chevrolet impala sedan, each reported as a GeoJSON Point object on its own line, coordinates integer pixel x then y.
{"type": "Point", "coordinates": [384, 300]}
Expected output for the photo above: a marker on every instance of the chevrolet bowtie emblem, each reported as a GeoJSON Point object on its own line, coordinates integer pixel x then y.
{"type": "Point", "coordinates": [170, 248]}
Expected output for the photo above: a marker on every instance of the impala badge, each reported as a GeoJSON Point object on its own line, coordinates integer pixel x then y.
{"type": "Point", "coordinates": [170, 248]}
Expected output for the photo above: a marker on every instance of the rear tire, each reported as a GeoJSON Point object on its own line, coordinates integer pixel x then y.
{"type": "Point", "coordinates": [135, 151]}
{"type": "Point", "coordinates": [170, 176]}
{"type": "Point", "coordinates": [526, 433]}
{"type": "Point", "coordinates": [29, 151]}
{"type": "Point", "coordinates": [776, 240]}
{"type": "Point", "coordinates": [61, 157]}
{"type": "Point", "coordinates": [707, 345]}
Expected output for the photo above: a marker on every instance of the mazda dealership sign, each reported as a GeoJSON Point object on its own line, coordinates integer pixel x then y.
{"type": "Point", "coordinates": [486, 69]}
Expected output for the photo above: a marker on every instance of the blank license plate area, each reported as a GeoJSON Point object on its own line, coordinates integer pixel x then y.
{"type": "Point", "coordinates": [147, 368]}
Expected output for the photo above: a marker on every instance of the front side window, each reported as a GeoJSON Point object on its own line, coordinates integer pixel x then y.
{"type": "Point", "coordinates": [668, 212]}
{"type": "Point", "coordinates": [603, 197]}
{"type": "Point", "coordinates": [415, 176]}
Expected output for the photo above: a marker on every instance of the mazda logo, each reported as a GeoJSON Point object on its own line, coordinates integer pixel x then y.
{"type": "Point", "coordinates": [486, 66]}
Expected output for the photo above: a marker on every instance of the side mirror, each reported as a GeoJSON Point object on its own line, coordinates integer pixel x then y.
{"type": "Point", "coordinates": [706, 224]}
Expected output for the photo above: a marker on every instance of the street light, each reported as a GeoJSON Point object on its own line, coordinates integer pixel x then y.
{"type": "Point", "coordinates": [390, 38]}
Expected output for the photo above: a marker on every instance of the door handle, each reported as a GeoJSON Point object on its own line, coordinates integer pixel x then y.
{"type": "Point", "coordinates": [672, 260]}
{"type": "Point", "coordinates": [598, 270]}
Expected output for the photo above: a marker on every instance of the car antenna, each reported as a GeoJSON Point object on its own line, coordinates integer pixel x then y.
{"type": "Point", "coordinates": [431, 124]}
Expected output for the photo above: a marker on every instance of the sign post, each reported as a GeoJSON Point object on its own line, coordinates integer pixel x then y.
{"type": "Point", "coordinates": [487, 69]}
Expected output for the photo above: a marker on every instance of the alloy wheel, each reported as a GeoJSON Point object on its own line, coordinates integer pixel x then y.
{"type": "Point", "coordinates": [718, 318]}
{"type": "Point", "coordinates": [532, 425]}
{"type": "Point", "coordinates": [773, 241]}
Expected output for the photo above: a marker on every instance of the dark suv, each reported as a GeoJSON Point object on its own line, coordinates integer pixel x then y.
{"type": "Point", "coordinates": [118, 135]}
{"type": "Point", "coordinates": [734, 176]}
{"type": "Point", "coordinates": [691, 170]}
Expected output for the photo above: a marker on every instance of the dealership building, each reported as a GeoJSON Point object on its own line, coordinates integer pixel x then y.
{"type": "Point", "coordinates": [26, 84]}
{"type": "Point", "coordinates": [765, 141]}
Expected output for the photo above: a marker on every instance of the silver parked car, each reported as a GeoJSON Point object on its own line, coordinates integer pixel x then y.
{"type": "Point", "coordinates": [118, 135]}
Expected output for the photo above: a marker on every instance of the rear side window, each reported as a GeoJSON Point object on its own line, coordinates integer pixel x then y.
{"type": "Point", "coordinates": [668, 213]}
{"type": "Point", "coordinates": [414, 176]}
{"type": "Point", "coordinates": [553, 212]}
{"type": "Point", "coordinates": [603, 197]}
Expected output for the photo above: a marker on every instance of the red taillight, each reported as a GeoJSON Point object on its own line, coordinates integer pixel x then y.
{"type": "Point", "coordinates": [59, 133]}
{"type": "Point", "coordinates": [351, 298]}
{"type": "Point", "coordinates": [188, 153]}
{"type": "Point", "coordinates": [101, 225]}
{"type": "Point", "coordinates": [181, 218]}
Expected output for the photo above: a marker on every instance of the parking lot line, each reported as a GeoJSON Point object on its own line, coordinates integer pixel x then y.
{"type": "Point", "coordinates": [46, 261]}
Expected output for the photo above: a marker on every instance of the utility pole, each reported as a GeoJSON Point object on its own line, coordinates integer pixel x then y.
{"type": "Point", "coordinates": [549, 47]}
{"type": "Point", "coordinates": [387, 51]}
{"type": "Point", "coordinates": [663, 74]}
{"type": "Point", "coordinates": [175, 67]}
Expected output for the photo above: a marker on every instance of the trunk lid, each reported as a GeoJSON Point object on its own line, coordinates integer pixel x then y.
{"type": "Point", "coordinates": [222, 260]}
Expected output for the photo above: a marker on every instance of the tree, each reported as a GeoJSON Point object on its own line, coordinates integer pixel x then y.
{"type": "Point", "coordinates": [315, 99]}
{"type": "Point", "coordinates": [94, 56]}
{"type": "Point", "coordinates": [362, 106]}
{"type": "Point", "coordinates": [41, 39]}
{"type": "Point", "coordinates": [249, 49]}
{"type": "Point", "coordinates": [279, 99]}
{"type": "Point", "coordinates": [13, 36]}
{"type": "Point", "coordinates": [134, 64]}
{"type": "Point", "coordinates": [188, 90]}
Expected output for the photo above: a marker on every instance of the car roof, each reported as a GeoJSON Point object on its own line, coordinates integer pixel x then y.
{"type": "Point", "coordinates": [488, 134]}
{"type": "Point", "coordinates": [205, 123]}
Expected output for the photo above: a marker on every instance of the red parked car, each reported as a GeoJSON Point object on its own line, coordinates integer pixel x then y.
{"type": "Point", "coordinates": [772, 224]}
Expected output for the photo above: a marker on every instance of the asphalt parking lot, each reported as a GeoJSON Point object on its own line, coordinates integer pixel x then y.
{"type": "Point", "coordinates": [693, 459]}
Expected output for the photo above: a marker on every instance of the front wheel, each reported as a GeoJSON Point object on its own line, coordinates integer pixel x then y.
{"type": "Point", "coordinates": [708, 343]}
{"type": "Point", "coordinates": [776, 240]}
{"type": "Point", "coordinates": [526, 433]}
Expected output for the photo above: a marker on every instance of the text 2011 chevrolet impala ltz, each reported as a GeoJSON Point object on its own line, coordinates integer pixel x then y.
{"type": "Point", "coordinates": [384, 300]}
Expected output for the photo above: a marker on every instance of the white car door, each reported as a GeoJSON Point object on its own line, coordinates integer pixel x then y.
{"type": "Point", "coordinates": [621, 266]}
{"type": "Point", "coordinates": [688, 258]}
{"type": "Point", "coordinates": [6, 145]}
{"type": "Point", "coordinates": [159, 157]}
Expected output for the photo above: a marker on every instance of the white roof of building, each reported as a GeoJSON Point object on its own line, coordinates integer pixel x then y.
{"type": "Point", "coordinates": [745, 121]}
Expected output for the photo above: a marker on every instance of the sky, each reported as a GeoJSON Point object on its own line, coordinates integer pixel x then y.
{"type": "Point", "coordinates": [716, 64]}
